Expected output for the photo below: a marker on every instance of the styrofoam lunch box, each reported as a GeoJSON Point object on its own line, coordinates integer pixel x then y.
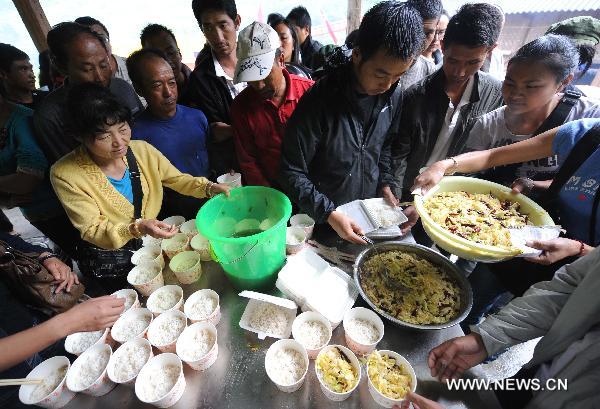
{"type": "Point", "coordinates": [289, 306]}
{"type": "Point", "coordinates": [359, 211]}
{"type": "Point", "coordinates": [316, 286]}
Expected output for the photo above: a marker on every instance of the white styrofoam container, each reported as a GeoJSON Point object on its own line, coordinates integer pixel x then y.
{"type": "Point", "coordinates": [296, 277]}
{"type": "Point", "coordinates": [359, 212]}
{"type": "Point", "coordinates": [289, 307]}
{"type": "Point", "coordinates": [316, 286]}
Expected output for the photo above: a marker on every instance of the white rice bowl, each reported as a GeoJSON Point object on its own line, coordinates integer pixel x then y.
{"type": "Point", "coordinates": [128, 360]}
{"type": "Point", "coordinates": [131, 325]}
{"type": "Point", "coordinates": [165, 298]}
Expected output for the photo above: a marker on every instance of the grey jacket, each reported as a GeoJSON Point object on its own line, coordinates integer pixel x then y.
{"type": "Point", "coordinates": [562, 311]}
{"type": "Point", "coordinates": [423, 111]}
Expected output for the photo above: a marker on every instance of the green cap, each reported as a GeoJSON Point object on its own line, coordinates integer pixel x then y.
{"type": "Point", "coordinates": [583, 30]}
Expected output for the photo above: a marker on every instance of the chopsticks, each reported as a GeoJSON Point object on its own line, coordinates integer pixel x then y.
{"type": "Point", "coordinates": [21, 381]}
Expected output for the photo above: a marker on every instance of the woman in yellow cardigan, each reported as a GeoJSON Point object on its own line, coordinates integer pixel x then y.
{"type": "Point", "coordinates": [95, 187]}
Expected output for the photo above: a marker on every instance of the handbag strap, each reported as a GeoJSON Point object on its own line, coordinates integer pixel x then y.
{"type": "Point", "coordinates": [594, 218]}
{"type": "Point", "coordinates": [559, 114]}
{"type": "Point", "coordinates": [136, 184]}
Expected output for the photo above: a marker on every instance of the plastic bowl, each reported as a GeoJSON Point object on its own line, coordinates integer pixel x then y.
{"type": "Point", "coordinates": [151, 302]}
{"type": "Point", "coordinates": [287, 344]}
{"type": "Point", "coordinates": [210, 357]}
{"type": "Point", "coordinates": [200, 244]}
{"type": "Point", "coordinates": [186, 266]}
{"type": "Point", "coordinates": [175, 245]}
{"type": "Point", "coordinates": [117, 355]}
{"type": "Point", "coordinates": [364, 314]}
{"type": "Point", "coordinates": [137, 313]}
{"type": "Point", "coordinates": [171, 345]}
{"type": "Point", "coordinates": [380, 398]}
{"type": "Point", "coordinates": [189, 228]}
{"type": "Point", "coordinates": [151, 241]}
{"type": "Point", "coordinates": [304, 221]}
{"type": "Point", "coordinates": [311, 316]}
{"type": "Point", "coordinates": [295, 239]}
{"type": "Point", "coordinates": [58, 397]}
{"type": "Point", "coordinates": [146, 288]}
{"type": "Point", "coordinates": [336, 396]}
{"type": "Point", "coordinates": [124, 293]}
{"type": "Point", "coordinates": [176, 221]}
{"type": "Point", "coordinates": [71, 339]}
{"type": "Point", "coordinates": [151, 252]}
{"type": "Point", "coordinates": [102, 384]}
{"type": "Point", "coordinates": [469, 249]}
{"type": "Point", "coordinates": [233, 181]}
{"type": "Point", "coordinates": [156, 365]}
{"type": "Point", "coordinates": [214, 316]}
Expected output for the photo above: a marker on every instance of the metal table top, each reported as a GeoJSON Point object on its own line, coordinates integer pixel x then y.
{"type": "Point", "coordinates": [238, 378]}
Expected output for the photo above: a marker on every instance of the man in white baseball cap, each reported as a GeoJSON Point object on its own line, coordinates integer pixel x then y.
{"type": "Point", "coordinates": [259, 114]}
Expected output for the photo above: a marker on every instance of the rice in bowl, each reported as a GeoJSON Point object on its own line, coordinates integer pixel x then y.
{"type": "Point", "coordinates": [131, 325]}
{"type": "Point", "coordinates": [165, 299]}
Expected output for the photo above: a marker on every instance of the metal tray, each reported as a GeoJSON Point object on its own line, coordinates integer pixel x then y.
{"type": "Point", "coordinates": [436, 259]}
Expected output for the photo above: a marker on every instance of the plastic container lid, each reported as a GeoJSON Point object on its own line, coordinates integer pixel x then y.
{"type": "Point", "coordinates": [316, 286]}
{"type": "Point", "coordinates": [256, 299]}
{"type": "Point", "coordinates": [359, 211]}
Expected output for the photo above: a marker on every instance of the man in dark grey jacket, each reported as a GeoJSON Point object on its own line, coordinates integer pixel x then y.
{"type": "Point", "coordinates": [336, 147]}
{"type": "Point", "coordinates": [440, 109]}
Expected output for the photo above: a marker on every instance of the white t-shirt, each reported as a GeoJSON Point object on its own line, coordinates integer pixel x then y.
{"type": "Point", "coordinates": [490, 131]}
{"type": "Point", "coordinates": [444, 139]}
{"type": "Point", "coordinates": [234, 89]}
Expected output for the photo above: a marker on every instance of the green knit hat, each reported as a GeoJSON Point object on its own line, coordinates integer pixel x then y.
{"type": "Point", "coordinates": [583, 30]}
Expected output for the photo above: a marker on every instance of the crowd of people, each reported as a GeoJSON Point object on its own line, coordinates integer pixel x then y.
{"type": "Point", "coordinates": [116, 144]}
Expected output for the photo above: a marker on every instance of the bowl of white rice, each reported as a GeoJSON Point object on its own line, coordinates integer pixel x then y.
{"type": "Point", "coordinates": [127, 361]}
{"type": "Point", "coordinates": [52, 392]}
{"type": "Point", "coordinates": [169, 297]}
{"type": "Point", "coordinates": [133, 324]}
{"type": "Point", "coordinates": [286, 364]}
{"type": "Point", "coordinates": [165, 329]}
{"type": "Point", "coordinates": [149, 253]}
{"type": "Point", "coordinates": [146, 277]}
{"type": "Point", "coordinates": [88, 372]}
{"type": "Point", "coordinates": [79, 342]}
{"type": "Point", "coordinates": [363, 330]}
{"type": "Point", "coordinates": [161, 382]}
{"type": "Point", "coordinates": [197, 346]}
{"type": "Point", "coordinates": [189, 228]}
{"type": "Point", "coordinates": [295, 238]}
{"type": "Point", "coordinates": [200, 245]}
{"type": "Point", "coordinates": [148, 240]}
{"type": "Point", "coordinates": [313, 331]}
{"type": "Point", "coordinates": [186, 266]}
{"type": "Point", "coordinates": [175, 245]}
{"type": "Point", "coordinates": [131, 298]}
{"type": "Point", "coordinates": [203, 306]}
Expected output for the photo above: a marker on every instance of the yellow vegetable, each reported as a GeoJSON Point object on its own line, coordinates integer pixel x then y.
{"type": "Point", "coordinates": [390, 378]}
{"type": "Point", "coordinates": [336, 372]}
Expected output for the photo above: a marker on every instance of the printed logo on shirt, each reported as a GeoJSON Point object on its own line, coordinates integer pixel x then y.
{"type": "Point", "coordinates": [586, 188]}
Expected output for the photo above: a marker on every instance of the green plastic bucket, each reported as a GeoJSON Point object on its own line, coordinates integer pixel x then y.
{"type": "Point", "coordinates": [250, 257]}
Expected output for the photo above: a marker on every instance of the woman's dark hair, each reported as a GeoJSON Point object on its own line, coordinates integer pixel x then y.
{"type": "Point", "coordinates": [10, 54]}
{"type": "Point", "coordinates": [91, 21]}
{"type": "Point", "coordinates": [91, 108]}
{"type": "Point", "coordinates": [288, 24]}
{"type": "Point", "coordinates": [226, 6]}
{"type": "Point", "coordinates": [62, 35]}
{"type": "Point", "coordinates": [396, 27]}
{"type": "Point", "coordinates": [587, 53]}
{"type": "Point", "coordinates": [475, 25]}
{"type": "Point", "coordinates": [274, 17]}
{"type": "Point", "coordinates": [135, 64]}
{"type": "Point", "coordinates": [428, 9]}
{"type": "Point", "coordinates": [555, 52]}
{"type": "Point", "coordinates": [351, 39]}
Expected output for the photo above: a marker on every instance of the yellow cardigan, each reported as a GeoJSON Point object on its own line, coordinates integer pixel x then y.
{"type": "Point", "coordinates": [98, 211]}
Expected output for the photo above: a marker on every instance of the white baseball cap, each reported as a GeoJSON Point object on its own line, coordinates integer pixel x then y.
{"type": "Point", "coordinates": [255, 51]}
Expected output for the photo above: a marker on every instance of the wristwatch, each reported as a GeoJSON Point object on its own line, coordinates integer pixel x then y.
{"type": "Point", "coordinates": [41, 259]}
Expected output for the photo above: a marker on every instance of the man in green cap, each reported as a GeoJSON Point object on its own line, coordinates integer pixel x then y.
{"type": "Point", "coordinates": [584, 31]}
